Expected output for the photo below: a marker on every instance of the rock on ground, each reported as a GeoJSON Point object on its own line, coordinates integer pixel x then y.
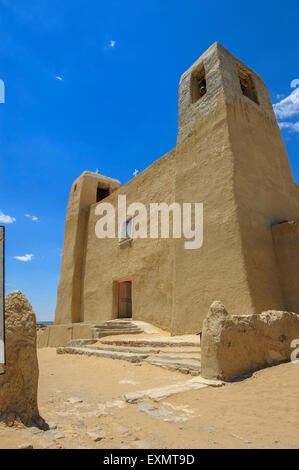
{"type": "Point", "coordinates": [19, 384]}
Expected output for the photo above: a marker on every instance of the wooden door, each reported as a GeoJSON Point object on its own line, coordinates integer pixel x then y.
{"type": "Point", "coordinates": [125, 299]}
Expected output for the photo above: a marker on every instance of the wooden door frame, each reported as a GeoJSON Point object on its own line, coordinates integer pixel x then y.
{"type": "Point", "coordinates": [117, 298]}
{"type": "Point", "coordinates": [124, 279]}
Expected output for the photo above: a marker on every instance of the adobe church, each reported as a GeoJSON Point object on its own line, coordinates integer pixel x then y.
{"type": "Point", "coordinates": [231, 157]}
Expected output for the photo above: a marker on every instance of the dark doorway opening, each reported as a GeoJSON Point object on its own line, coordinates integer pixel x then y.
{"type": "Point", "coordinates": [102, 193]}
{"type": "Point", "coordinates": [124, 299]}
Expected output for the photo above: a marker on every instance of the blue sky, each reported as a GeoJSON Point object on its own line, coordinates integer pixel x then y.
{"type": "Point", "coordinates": [94, 84]}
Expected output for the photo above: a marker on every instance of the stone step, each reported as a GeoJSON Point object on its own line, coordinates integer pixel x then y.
{"type": "Point", "coordinates": [107, 347]}
{"type": "Point", "coordinates": [159, 343]}
{"type": "Point", "coordinates": [180, 366]}
{"type": "Point", "coordinates": [118, 330]}
{"type": "Point", "coordinates": [101, 332]}
{"type": "Point", "coordinates": [119, 322]}
{"type": "Point", "coordinates": [118, 325]}
{"type": "Point", "coordinates": [180, 351]}
{"type": "Point", "coordinates": [172, 355]}
{"type": "Point", "coordinates": [182, 363]}
{"type": "Point", "coordinates": [181, 357]}
{"type": "Point", "coordinates": [81, 342]}
{"type": "Point", "coordinates": [124, 356]}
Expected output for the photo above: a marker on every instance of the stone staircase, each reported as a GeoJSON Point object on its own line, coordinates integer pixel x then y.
{"type": "Point", "coordinates": [120, 327]}
{"type": "Point", "coordinates": [179, 354]}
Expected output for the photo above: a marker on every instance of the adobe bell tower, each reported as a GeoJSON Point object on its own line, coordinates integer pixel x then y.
{"type": "Point", "coordinates": [231, 157]}
{"type": "Point", "coordinates": [86, 190]}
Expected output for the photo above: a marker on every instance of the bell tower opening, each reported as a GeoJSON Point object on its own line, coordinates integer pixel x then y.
{"type": "Point", "coordinates": [102, 193]}
{"type": "Point", "coordinates": [198, 83]}
{"type": "Point", "coordinates": [247, 85]}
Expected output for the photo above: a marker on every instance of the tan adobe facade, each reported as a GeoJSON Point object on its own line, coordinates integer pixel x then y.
{"type": "Point", "coordinates": [231, 157]}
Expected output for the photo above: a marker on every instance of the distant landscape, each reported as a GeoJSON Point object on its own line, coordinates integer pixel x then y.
{"type": "Point", "coordinates": [42, 325]}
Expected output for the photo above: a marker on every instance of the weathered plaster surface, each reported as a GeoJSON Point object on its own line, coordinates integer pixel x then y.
{"type": "Point", "coordinates": [235, 345]}
{"type": "Point", "coordinates": [286, 239]}
{"type": "Point", "coordinates": [149, 262]}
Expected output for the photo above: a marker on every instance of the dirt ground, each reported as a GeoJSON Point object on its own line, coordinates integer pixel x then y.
{"type": "Point", "coordinates": [81, 399]}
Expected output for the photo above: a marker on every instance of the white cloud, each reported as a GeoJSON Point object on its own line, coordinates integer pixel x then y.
{"type": "Point", "coordinates": [288, 107]}
{"type": "Point", "coordinates": [109, 44]}
{"type": "Point", "coordinates": [6, 219]}
{"type": "Point", "coordinates": [24, 258]}
{"type": "Point", "coordinates": [291, 126]}
{"type": "Point", "coordinates": [59, 78]}
{"type": "Point", "coordinates": [295, 83]}
{"type": "Point", "coordinates": [32, 217]}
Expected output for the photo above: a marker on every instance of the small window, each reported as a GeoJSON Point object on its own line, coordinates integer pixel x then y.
{"type": "Point", "coordinates": [247, 85]}
{"type": "Point", "coordinates": [126, 232]}
{"type": "Point", "coordinates": [199, 84]}
{"type": "Point", "coordinates": [102, 193]}
{"type": "Point", "coordinates": [75, 187]}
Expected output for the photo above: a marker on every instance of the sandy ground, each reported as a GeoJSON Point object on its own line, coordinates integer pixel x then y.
{"type": "Point", "coordinates": [259, 412]}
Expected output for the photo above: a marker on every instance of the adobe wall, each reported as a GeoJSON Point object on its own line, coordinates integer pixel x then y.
{"type": "Point", "coordinates": [205, 173]}
{"type": "Point", "coordinates": [264, 188]}
{"type": "Point", "coordinates": [286, 240]}
{"type": "Point", "coordinates": [148, 261]}
{"type": "Point", "coordinates": [231, 157]}
{"type": "Point", "coordinates": [297, 190]}
{"type": "Point", "coordinates": [265, 193]}
{"type": "Point", "coordinates": [235, 345]}
{"type": "Point", "coordinates": [59, 335]}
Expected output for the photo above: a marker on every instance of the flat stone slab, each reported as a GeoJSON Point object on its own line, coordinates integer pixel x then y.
{"type": "Point", "coordinates": [140, 349]}
{"type": "Point", "coordinates": [119, 326]}
{"type": "Point", "coordinates": [125, 329]}
{"type": "Point", "coordinates": [101, 332]}
{"type": "Point", "coordinates": [159, 393]}
{"type": "Point", "coordinates": [174, 364]}
{"type": "Point", "coordinates": [150, 342]}
{"type": "Point", "coordinates": [130, 357]}
{"type": "Point", "coordinates": [80, 342]}
{"type": "Point", "coordinates": [106, 347]}
{"type": "Point", "coordinates": [178, 357]}
{"type": "Point", "coordinates": [209, 382]}
{"type": "Point", "coordinates": [162, 413]}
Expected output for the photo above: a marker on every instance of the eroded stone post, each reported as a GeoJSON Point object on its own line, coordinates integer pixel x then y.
{"type": "Point", "coordinates": [211, 341]}
{"type": "Point", "coordinates": [19, 384]}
